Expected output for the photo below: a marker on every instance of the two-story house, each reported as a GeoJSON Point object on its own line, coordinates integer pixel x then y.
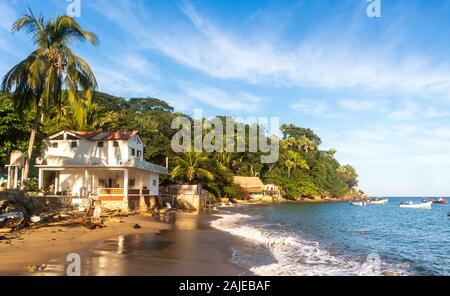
{"type": "Point", "coordinates": [109, 165]}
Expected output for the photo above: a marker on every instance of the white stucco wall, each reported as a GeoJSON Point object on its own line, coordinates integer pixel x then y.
{"type": "Point", "coordinates": [88, 153]}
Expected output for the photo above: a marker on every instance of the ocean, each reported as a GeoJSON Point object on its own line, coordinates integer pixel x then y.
{"type": "Point", "coordinates": [339, 239]}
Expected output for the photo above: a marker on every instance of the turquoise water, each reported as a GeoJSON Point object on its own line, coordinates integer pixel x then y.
{"type": "Point", "coordinates": [340, 239]}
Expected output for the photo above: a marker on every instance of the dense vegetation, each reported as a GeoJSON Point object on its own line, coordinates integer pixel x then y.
{"type": "Point", "coordinates": [303, 170]}
{"type": "Point", "coordinates": [52, 89]}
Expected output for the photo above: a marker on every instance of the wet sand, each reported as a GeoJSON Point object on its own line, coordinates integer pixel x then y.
{"type": "Point", "coordinates": [38, 246]}
{"type": "Point", "coordinates": [185, 246]}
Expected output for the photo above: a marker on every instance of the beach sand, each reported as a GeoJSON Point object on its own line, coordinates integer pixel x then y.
{"type": "Point", "coordinates": [185, 246]}
{"type": "Point", "coordinates": [37, 246]}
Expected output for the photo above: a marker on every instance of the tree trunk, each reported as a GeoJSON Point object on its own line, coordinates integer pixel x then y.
{"type": "Point", "coordinates": [36, 122]}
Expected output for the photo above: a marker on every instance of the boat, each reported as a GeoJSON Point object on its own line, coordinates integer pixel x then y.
{"type": "Point", "coordinates": [427, 201]}
{"type": "Point", "coordinates": [440, 201]}
{"type": "Point", "coordinates": [411, 205]}
{"type": "Point", "coordinates": [359, 203]}
{"type": "Point", "coordinates": [378, 201]}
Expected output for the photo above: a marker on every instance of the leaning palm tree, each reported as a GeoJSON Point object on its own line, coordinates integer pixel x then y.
{"type": "Point", "coordinates": [38, 80]}
{"type": "Point", "coordinates": [192, 166]}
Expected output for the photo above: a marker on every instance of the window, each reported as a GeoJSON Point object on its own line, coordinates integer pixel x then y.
{"type": "Point", "coordinates": [100, 144]}
{"type": "Point", "coordinates": [73, 144]}
{"type": "Point", "coordinates": [139, 153]}
{"type": "Point", "coordinates": [54, 145]}
{"type": "Point", "coordinates": [115, 144]}
{"type": "Point", "coordinates": [133, 151]}
{"type": "Point", "coordinates": [154, 183]}
{"type": "Point", "coordinates": [131, 182]}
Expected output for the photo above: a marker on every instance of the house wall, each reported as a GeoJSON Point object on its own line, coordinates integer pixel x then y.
{"type": "Point", "coordinates": [88, 153]}
{"type": "Point", "coordinates": [73, 180]}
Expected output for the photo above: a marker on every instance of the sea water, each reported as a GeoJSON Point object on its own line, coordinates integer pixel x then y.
{"type": "Point", "coordinates": [339, 239]}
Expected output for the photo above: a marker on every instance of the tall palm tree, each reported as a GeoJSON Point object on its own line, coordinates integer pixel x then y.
{"type": "Point", "coordinates": [39, 79]}
{"type": "Point", "coordinates": [293, 160]}
{"type": "Point", "coordinates": [192, 166]}
{"type": "Point", "coordinates": [305, 144]}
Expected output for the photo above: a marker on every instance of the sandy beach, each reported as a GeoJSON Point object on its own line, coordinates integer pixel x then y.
{"type": "Point", "coordinates": [185, 246]}
{"type": "Point", "coordinates": [37, 246]}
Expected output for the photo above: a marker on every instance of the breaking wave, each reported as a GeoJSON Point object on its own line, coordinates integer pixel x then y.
{"type": "Point", "coordinates": [296, 256]}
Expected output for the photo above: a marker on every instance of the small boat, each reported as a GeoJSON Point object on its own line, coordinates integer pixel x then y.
{"type": "Point", "coordinates": [411, 205]}
{"type": "Point", "coordinates": [377, 201]}
{"type": "Point", "coordinates": [427, 201]}
{"type": "Point", "coordinates": [440, 201]}
{"type": "Point", "coordinates": [359, 203]}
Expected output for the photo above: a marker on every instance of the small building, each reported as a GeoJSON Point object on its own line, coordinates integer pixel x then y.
{"type": "Point", "coordinates": [272, 190]}
{"type": "Point", "coordinates": [108, 165]}
{"type": "Point", "coordinates": [186, 197]}
{"type": "Point", "coordinates": [252, 185]}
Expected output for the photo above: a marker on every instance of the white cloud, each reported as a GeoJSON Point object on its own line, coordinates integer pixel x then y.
{"type": "Point", "coordinates": [213, 97]}
{"type": "Point", "coordinates": [362, 104]}
{"type": "Point", "coordinates": [317, 108]}
{"type": "Point", "coordinates": [119, 83]}
{"type": "Point", "coordinates": [138, 64]}
{"type": "Point", "coordinates": [312, 62]}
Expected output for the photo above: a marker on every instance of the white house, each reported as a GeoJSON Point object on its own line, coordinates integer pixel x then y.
{"type": "Point", "coordinates": [109, 165]}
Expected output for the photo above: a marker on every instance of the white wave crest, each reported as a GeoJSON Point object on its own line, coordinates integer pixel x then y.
{"type": "Point", "coordinates": [295, 256]}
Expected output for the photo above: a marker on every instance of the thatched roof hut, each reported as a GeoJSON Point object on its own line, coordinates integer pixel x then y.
{"type": "Point", "coordinates": [249, 184]}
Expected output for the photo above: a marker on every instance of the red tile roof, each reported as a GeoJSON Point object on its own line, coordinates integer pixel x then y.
{"type": "Point", "coordinates": [103, 136]}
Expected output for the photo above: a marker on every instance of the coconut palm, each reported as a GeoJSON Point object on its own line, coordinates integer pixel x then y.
{"type": "Point", "coordinates": [40, 78]}
{"type": "Point", "coordinates": [293, 160]}
{"type": "Point", "coordinates": [305, 144]}
{"type": "Point", "coordinates": [192, 166]}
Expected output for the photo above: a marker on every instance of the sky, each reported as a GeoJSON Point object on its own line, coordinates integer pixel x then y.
{"type": "Point", "coordinates": [375, 89]}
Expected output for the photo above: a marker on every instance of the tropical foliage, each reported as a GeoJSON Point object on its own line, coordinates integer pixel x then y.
{"type": "Point", "coordinates": [53, 88]}
{"type": "Point", "coordinates": [37, 82]}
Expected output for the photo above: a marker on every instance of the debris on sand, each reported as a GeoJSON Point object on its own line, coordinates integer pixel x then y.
{"type": "Point", "coordinates": [137, 226]}
{"type": "Point", "coordinates": [35, 268]}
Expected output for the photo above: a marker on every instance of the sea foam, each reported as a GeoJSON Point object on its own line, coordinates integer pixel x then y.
{"type": "Point", "coordinates": [296, 256]}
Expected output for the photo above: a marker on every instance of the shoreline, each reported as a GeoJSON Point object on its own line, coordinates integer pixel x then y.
{"type": "Point", "coordinates": [186, 246]}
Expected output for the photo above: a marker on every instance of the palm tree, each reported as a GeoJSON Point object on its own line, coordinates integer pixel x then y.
{"type": "Point", "coordinates": [192, 166]}
{"type": "Point", "coordinates": [305, 144]}
{"type": "Point", "coordinates": [39, 79]}
{"type": "Point", "coordinates": [293, 160]}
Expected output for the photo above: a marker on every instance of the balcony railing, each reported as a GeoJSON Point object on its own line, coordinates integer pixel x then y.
{"type": "Point", "coordinates": [117, 194]}
{"type": "Point", "coordinates": [141, 164]}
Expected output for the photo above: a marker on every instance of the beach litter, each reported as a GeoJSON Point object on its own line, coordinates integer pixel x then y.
{"type": "Point", "coordinates": [137, 226]}
{"type": "Point", "coordinates": [35, 219]}
{"type": "Point", "coordinates": [35, 268]}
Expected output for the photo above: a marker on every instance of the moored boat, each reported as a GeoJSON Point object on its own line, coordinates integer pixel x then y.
{"type": "Point", "coordinates": [411, 205]}
{"type": "Point", "coordinates": [377, 201]}
{"type": "Point", "coordinates": [427, 201]}
{"type": "Point", "coordinates": [359, 203]}
{"type": "Point", "coordinates": [440, 201]}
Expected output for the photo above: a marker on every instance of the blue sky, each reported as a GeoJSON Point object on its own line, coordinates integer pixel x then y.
{"type": "Point", "coordinates": [375, 89]}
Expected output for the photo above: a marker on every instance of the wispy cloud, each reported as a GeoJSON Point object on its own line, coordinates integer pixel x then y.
{"type": "Point", "coordinates": [362, 104]}
{"type": "Point", "coordinates": [313, 107]}
{"type": "Point", "coordinates": [219, 99]}
{"type": "Point", "coordinates": [313, 62]}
